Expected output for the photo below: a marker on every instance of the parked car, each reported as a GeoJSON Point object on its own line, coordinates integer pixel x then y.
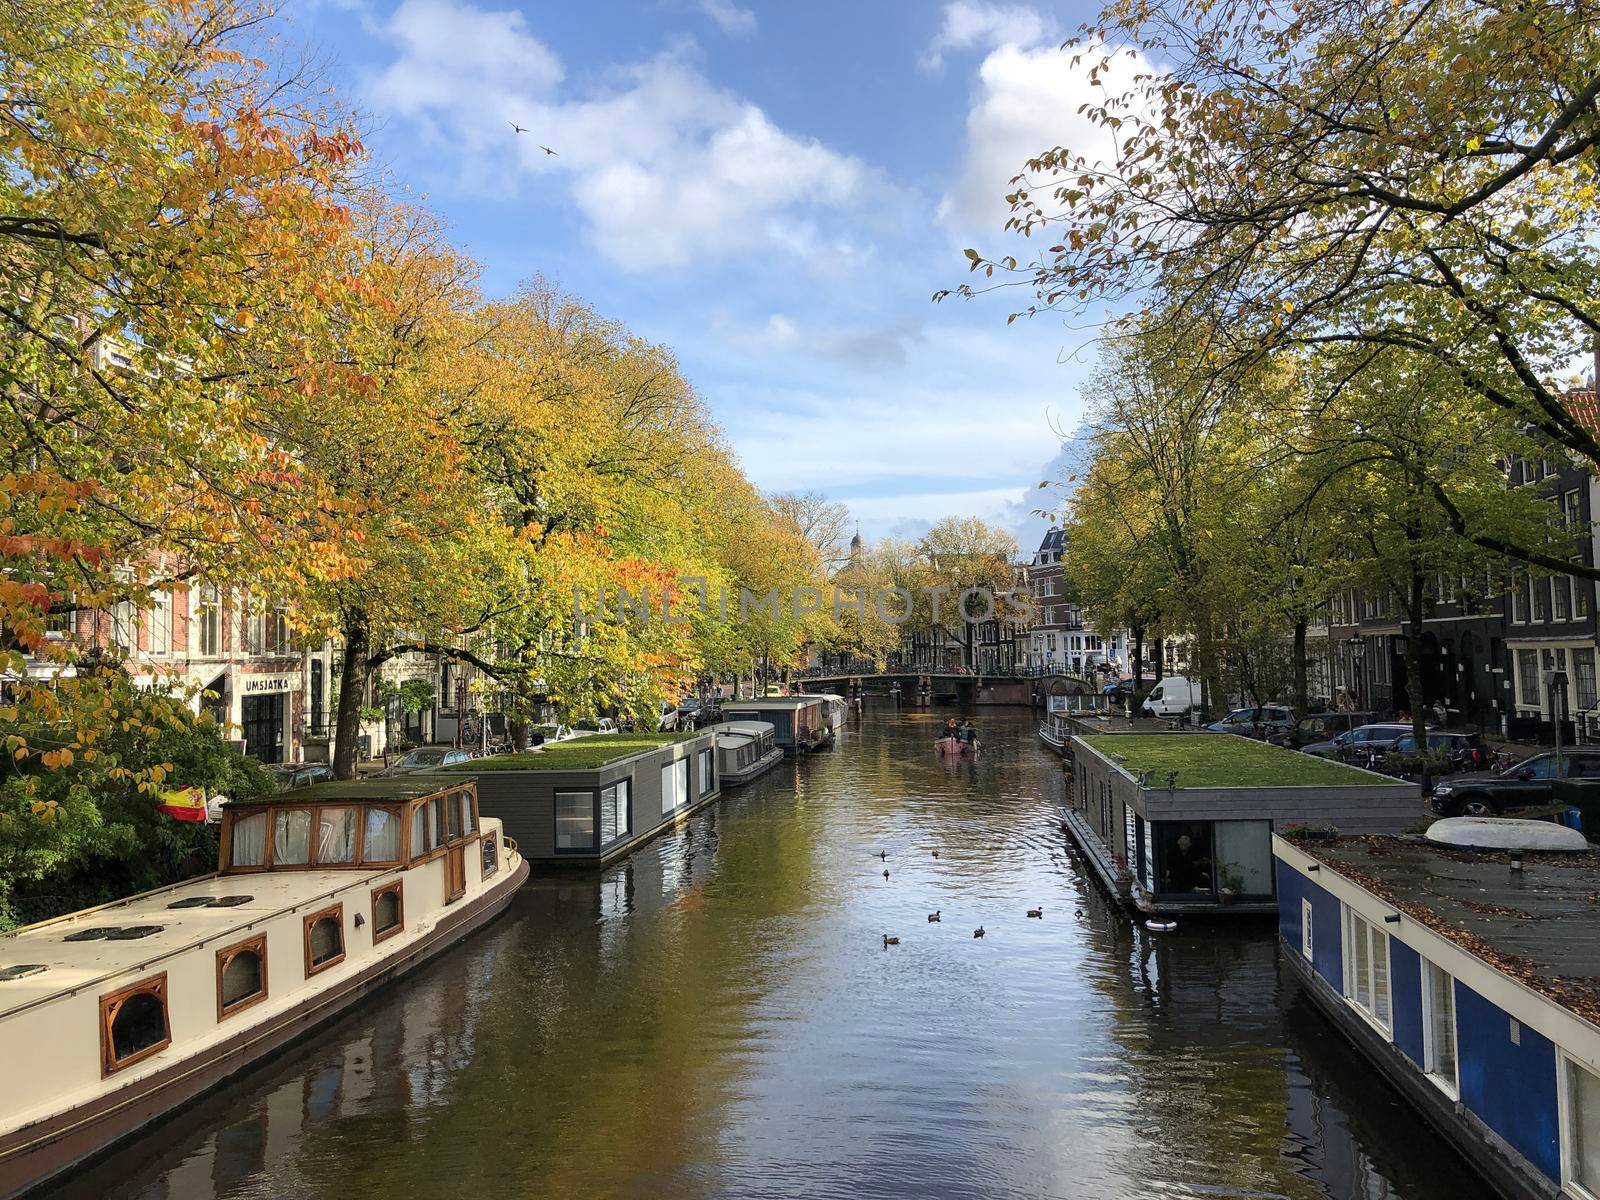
{"type": "Point", "coordinates": [1172, 697]}
{"type": "Point", "coordinates": [425, 758]}
{"type": "Point", "coordinates": [1360, 742]}
{"type": "Point", "coordinates": [1269, 719]}
{"type": "Point", "coordinates": [1529, 782]}
{"type": "Point", "coordinates": [298, 775]}
{"type": "Point", "coordinates": [1463, 751]}
{"type": "Point", "coordinates": [1123, 689]}
{"type": "Point", "coordinates": [1323, 727]}
{"type": "Point", "coordinates": [668, 721]}
{"type": "Point", "coordinates": [690, 712]}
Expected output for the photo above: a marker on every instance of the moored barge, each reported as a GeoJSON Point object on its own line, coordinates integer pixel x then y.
{"type": "Point", "coordinates": [114, 1016]}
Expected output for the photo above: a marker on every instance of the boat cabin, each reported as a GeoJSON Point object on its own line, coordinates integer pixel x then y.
{"type": "Point", "coordinates": [1183, 822]}
{"type": "Point", "coordinates": [113, 1015]}
{"type": "Point", "coordinates": [589, 800]}
{"type": "Point", "coordinates": [745, 749]}
{"type": "Point", "coordinates": [799, 723]}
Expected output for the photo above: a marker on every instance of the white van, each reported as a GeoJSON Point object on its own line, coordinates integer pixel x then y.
{"type": "Point", "coordinates": [1172, 697]}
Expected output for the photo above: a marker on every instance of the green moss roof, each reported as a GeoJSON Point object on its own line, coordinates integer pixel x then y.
{"type": "Point", "coordinates": [1211, 760]}
{"type": "Point", "coordinates": [579, 754]}
{"type": "Point", "coordinates": [388, 789]}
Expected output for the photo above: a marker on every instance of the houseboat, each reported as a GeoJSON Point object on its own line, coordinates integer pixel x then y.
{"type": "Point", "coordinates": [1183, 822]}
{"type": "Point", "coordinates": [1056, 733]}
{"type": "Point", "coordinates": [799, 722]}
{"type": "Point", "coordinates": [113, 1016]}
{"type": "Point", "coordinates": [745, 749]}
{"type": "Point", "coordinates": [589, 801]}
{"type": "Point", "coordinates": [1468, 980]}
{"type": "Point", "coordinates": [835, 711]}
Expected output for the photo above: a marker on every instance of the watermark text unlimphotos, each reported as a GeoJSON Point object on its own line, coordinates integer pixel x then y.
{"type": "Point", "coordinates": [894, 605]}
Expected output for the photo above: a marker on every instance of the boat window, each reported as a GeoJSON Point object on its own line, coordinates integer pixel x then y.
{"type": "Point", "coordinates": [574, 820]}
{"type": "Point", "coordinates": [241, 975]}
{"type": "Point", "coordinates": [419, 829]}
{"type": "Point", "coordinates": [388, 910]}
{"type": "Point", "coordinates": [381, 841]}
{"type": "Point", "coordinates": [1583, 1127]}
{"type": "Point", "coordinates": [336, 835]}
{"type": "Point", "coordinates": [674, 784]}
{"type": "Point", "coordinates": [453, 814]}
{"type": "Point", "coordinates": [616, 812]}
{"type": "Point", "coordinates": [324, 939]}
{"type": "Point", "coordinates": [437, 827]}
{"type": "Point", "coordinates": [249, 841]}
{"type": "Point", "coordinates": [291, 837]}
{"type": "Point", "coordinates": [133, 1024]}
{"type": "Point", "coordinates": [1367, 967]}
{"type": "Point", "coordinates": [708, 773]}
{"type": "Point", "coordinates": [1439, 1025]}
{"type": "Point", "coordinates": [1244, 857]}
{"type": "Point", "coordinates": [468, 826]}
{"type": "Point", "coordinates": [1183, 851]}
{"type": "Point", "coordinates": [491, 856]}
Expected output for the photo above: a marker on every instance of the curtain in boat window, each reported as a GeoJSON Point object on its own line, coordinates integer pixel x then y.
{"type": "Point", "coordinates": [250, 841]}
{"type": "Point", "coordinates": [382, 837]}
{"type": "Point", "coordinates": [336, 835]}
{"type": "Point", "coordinates": [419, 829]}
{"type": "Point", "coordinates": [674, 784]}
{"type": "Point", "coordinates": [291, 837]}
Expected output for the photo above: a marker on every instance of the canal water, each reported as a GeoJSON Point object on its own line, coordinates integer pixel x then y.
{"type": "Point", "coordinates": [718, 1017]}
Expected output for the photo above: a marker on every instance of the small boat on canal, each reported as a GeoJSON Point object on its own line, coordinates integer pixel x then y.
{"type": "Point", "coordinates": [1055, 733]}
{"type": "Point", "coordinates": [745, 749]}
{"type": "Point", "coordinates": [112, 1017]}
{"type": "Point", "coordinates": [835, 710]}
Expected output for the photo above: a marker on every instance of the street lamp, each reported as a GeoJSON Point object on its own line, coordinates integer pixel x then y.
{"type": "Point", "coordinates": [1358, 660]}
{"type": "Point", "coordinates": [1555, 683]}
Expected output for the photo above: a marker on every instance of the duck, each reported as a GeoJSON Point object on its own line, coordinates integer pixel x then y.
{"type": "Point", "coordinates": [1036, 912]}
{"type": "Point", "coordinates": [934, 915]}
{"type": "Point", "coordinates": [889, 941]}
{"type": "Point", "coordinates": [978, 932]}
{"type": "Point", "coordinates": [886, 874]}
{"type": "Point", "coordinates": [936, 854]}
{"type": "Point", "coordinates": [883, 854]}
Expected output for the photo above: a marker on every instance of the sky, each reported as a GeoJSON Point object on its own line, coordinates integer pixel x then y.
{"type": "Point", "coordinates": [775, 190]}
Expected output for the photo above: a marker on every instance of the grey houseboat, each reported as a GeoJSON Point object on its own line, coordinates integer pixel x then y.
{"type": "Point", "coordinates": [745, 749]}
{"type": "Point", "coordinates": [799, 722]}
{"type": "Point", "coordinates": [594, 798]}
{"type": "Point", "coordinates": [1183, 822]}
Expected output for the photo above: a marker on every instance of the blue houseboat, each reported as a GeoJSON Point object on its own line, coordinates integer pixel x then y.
{"type": "Point", "coordinates": [1471, 980]}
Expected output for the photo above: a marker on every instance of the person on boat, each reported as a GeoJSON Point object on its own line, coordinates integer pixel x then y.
{"type": "Point", "coordinates": [951, 729]}
{"type": "Point", "coordinates": [968, 732]}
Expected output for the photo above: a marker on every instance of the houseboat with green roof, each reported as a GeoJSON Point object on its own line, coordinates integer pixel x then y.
{"type": "Point", "coordinates": [1183, 822]}
{"type": "Point", "coordinates": [590, 800]}
{"type": "Point", "coordinates": [114, 1016]}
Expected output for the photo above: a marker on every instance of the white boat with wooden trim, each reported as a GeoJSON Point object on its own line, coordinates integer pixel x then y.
{"type": "Point", "coordinates": [113, 1016]}
{"type": "Point", "coordinates": [835, 710]}
{"type": "Point", "coordinates": [745, 749]}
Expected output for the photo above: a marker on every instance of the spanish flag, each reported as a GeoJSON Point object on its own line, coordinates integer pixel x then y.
{"type": "Point", "coordinates": [184, 804]}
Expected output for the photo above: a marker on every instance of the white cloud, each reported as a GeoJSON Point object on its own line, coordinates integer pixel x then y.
{"type": "Point", "coordinates": [665, 167]}
{"type": "Point", "coordinates": [730, 18]}
{"type": "Point", "coordinates": [868, 345]}
{"type": "Point", "coordinates": [967, 24]}
{"type": "Point", "coordinates": [1026, 102]}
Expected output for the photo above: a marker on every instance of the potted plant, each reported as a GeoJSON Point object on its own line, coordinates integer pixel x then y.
{"type": "Point", "coordinates": [1230, 884]}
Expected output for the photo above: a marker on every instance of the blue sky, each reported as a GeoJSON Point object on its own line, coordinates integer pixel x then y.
{"type": "Point", "coordinates": [775, 191]}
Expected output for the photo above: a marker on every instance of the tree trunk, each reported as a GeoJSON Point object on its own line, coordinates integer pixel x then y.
{"type": "Point", "coordinates": [1159, 658]}
{"type": "Point", "coordinates": [1419, 702]}
{"type": "Point", "coordinates": [352, 688]}
{"type": "Point", "coordinates": [1134, 696]}
{"type": "Point", "coordinates": [1302, 686]}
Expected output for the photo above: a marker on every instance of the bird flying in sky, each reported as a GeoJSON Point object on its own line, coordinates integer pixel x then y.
{"type": "Point", "coordinates": [547, 150]}
{"type": "Point", "coordinates": [516, 127]}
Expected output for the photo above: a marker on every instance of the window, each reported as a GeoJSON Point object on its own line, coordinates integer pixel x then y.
{"type": "Point", "coordinates": [1367, 968]}
{"type": "Point", "coordinates": [468, 825]}
{"type": "Point", "coordinates": [125, 626]}
{"type": "Point", "coordinates": [1305, 928]}
{"type": "Point", "coordinates": [708, 773]}
{"type": "Point", "coordinates": [574, 821]}
{"type": "Point", "coordinates": [491, 856]}
{"type": "Point", "coordinates": [324, 939]}
{"type": "Point", "coordinates": [291, 837]}
{"type": "Point", "coordinates": [1561, 597]}
{"type": "Point", "coordinates": [248, 841]}
{"type": "Point", "coordinates": [208, 616]}
{"type": "Point", "coordinates": [241, 975]}
{"type": "Point", "coordinates": [1439, 1026]}
{"type": "Point", "coordinates": [381, 839]}
{"type": "Point", "coordinates": [161, 623]}
{"type": "Point", "coordinates": [1183, 850]}
{"type": "Point", "coordinates": [1244, 857]}
{"type": "Point", "coordinates": [1580, 1160]}
{"type": "Point", "coordinates": [453, 817]}
{"type": "Point", "coordinates": [1519, 601]}
{"type": "Point", "coordinates": [1541, 599]}
{"type": "Point", "coordinates": [674, 784]}
{"type": "Point", "coordinates": [1583, 677]}
{"type": "Point", "coordinates": [1528, 677]}
{"type": "Point", "coordinates": [336, 835]}
{"type": "Point", "coordinates": [616, 811]}
{"type": "Point", "coordinates": [134, 1024]}
{"type": "Point", "coordinates": [420, 843]}
{"type": "Point", "coordinates": [388, 911]}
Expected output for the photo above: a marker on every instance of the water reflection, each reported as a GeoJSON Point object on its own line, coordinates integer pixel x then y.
{"type": "Point", "coordinates": [718, 1017]}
